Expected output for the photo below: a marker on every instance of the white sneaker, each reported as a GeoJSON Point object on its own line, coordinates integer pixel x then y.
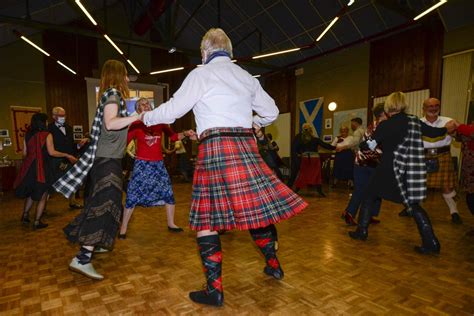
{"type": "Point", "coordinates": [85, 269]}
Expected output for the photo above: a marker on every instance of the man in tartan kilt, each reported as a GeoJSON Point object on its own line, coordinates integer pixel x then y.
{"type": "Point", "coordinates": [440, 168]}
{"type": "Point", "coordinates": [233, 188]}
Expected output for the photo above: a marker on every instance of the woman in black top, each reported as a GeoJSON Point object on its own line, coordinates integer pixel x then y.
{"type": "Point", "coordinates": [384, 184]}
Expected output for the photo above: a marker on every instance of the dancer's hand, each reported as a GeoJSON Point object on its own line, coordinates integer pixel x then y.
{"type": "Point", "coordinates": [452, 126]}
{"type": "Point", "coordinates": [191, 134]}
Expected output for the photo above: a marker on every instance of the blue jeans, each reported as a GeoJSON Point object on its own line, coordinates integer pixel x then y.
{"type": "Point", "coordinates": [362, 176]}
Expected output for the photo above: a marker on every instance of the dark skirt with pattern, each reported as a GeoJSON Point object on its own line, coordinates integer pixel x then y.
{"type": "Point", "coordinates": [150, 185]}
{"type": "Point", "coordinates": [98, 223]}
{"type": "Point", "coordinates": [233, 188]}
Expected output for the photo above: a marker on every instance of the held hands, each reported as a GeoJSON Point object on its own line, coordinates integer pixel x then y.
{"type": "Point", "coordinates": [190, 134]}
{"type": "Point", "coordinates": [452, 126]}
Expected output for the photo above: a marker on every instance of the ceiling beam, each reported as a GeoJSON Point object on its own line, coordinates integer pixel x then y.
{"type": "Point", "coordinates": [89, 33]}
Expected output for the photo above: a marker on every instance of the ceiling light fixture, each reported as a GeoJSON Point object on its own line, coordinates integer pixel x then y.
{"type": "Point", "coordinates": [277, 53]}
{"type": "Point", "coordinates": [34, 45]}
{"type": "Point", "coordinates": [113, 44]}
{"type": "Point", "coordinates": [351, 2]}
{"type": "Point", "coordinates": [440, 3]}
{"type": "Point", "coordinates": [172, 50]}
{"type": "Point", "coordinates": [133, 66]}
{"type": "Point", "coordinates": [59, 62]}
{"type": "Point", "coordinates": [256, 76]}
{"type": "Point", "coordinates": [327, 28]}
{"type": "Point", "coordinates": [78, 2]}
{"type": "Point", "coordinates": [166, 70]}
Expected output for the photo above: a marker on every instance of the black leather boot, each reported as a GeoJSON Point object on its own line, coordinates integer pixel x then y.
{"type": "Point", "coordinates": [362, 232]}
{"type": "Point", "coordinates": [211, 256]}
{"type": "Point", "coordinates": [430, 244]}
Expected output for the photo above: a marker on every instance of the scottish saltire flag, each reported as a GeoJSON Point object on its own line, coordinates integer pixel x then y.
{"type": "Point", "coordinates": [311, 111]}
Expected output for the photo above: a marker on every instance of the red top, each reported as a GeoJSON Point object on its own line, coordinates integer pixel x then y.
{"type": "Point", "coordinates": [149, 139]}
{"type": "Point", "coordinates": [468, 131]}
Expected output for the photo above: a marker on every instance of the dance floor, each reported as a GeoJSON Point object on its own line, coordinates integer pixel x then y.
{"type": "Point", "coordinates": [152, 271]}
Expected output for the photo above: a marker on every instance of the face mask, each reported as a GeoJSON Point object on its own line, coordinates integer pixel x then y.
{"type": "Point", "coordinates": [61, 120]}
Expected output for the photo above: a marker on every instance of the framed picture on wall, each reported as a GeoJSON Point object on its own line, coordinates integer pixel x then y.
{"type": "Point", "coordinates": [4, 133]}
{"type": "Point", "coordinates": [78, 136]}
{"type": "Point", "coordinates": [77, 128]}
{"type": "Point", "coordinates": [7, 142]}
{"type": "Point", "coordinates": [327, 138]}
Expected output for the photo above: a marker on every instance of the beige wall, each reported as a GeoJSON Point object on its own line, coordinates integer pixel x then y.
{"type": "Point", "coordinates": [459, 40]}
{"type": "Point", "coordinates": [342, 77]}
{"type": "Point", "coordinates": [21, 83]}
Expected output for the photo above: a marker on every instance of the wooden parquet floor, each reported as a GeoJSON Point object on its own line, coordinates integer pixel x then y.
{"type": "Point", "coordinates": [152, 271]}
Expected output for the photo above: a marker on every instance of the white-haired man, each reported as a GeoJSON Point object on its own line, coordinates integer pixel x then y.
{"type": "Point", "coordinates": [233, 188]}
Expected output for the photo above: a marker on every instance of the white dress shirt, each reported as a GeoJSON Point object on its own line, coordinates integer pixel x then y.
{"type": "Point", "coordinates": [221, 94]}
{"type": "Point", "coordinates": [436, 143]}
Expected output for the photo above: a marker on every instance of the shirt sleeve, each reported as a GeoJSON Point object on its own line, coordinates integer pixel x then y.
{"type": "Point", "coordinates": [170, 133]}
{"type": "Point", "coordinates": [354, 140]}
{"type": "Point", "coordinates": [264, 106]}
{"type": "Point", "coordinates": [181, 103]}
{"type": "Point", "coordinates": [431, 132]}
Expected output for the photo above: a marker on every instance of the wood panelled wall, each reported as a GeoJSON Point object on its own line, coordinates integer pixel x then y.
{"type": "Point", "coordinates": [62, 87]}
{"type": "Point", "coordinates": [411, 60]}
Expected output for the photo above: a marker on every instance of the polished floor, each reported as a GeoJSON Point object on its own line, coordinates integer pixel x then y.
{"type": "Point", "coordinates": [152, 271]}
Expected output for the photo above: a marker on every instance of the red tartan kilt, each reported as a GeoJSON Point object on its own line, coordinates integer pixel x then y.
{"type": "Point", "coordinates": [233, 188]}
{"type": "Point", "coordinates": [310, 172]}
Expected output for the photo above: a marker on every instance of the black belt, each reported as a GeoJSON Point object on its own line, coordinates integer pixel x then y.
{"type": "Point", "coordinates": [437, 151]}
{"type": "Point", "coordinates": [232, 134]}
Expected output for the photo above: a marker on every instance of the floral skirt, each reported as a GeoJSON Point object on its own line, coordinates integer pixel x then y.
{"type": "Point", "coordinates": [150, 185]}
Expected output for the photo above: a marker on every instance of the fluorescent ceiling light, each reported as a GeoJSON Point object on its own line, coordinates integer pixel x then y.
{"type": "Point", "coordinates": [166, 70]}
{"type": "Point", "coordinates": [34, 45]}
{"type": "Point", "coordinates": [351, 2]}
{"type": "Point", "coordinates": [440, 3]}
{"type": "Point", "coordinates": [59, 62]}
{"type": "Point", "coordinates": [277, 53]}
{"type": "Point", "coordinates": [133, 66]}
{"type": "Point", "coordinates": [234, 60]}
{"type": "Point", "coordinates": [78, 2]}
{"type": "Point", "coordinates": [256, 76]}
{"type": "Point", "coordinates": [113, 44]}
{"type": "Point", "coordinates": [327, 28]}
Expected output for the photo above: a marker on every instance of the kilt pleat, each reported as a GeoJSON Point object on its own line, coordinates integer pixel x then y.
{"type": "Point", "coordinates": [445, 176]}
{"type": "Point", "coordinates": [233, 188]}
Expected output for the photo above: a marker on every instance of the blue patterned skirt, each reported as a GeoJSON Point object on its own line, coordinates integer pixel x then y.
{"type": "Point", "coordinates": [150, 185]}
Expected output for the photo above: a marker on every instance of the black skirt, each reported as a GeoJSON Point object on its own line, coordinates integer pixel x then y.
{"type": "Point", "coordinates": [99, 221]}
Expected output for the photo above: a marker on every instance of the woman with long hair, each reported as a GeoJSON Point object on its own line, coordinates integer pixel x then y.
{"type": "Point", "coordinates": [98, 223]}
{"type": "Point", "coordinates": [35, 177]}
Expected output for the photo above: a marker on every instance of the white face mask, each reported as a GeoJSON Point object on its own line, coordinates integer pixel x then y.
{"type": "Point", "coordinates": [61, 120]}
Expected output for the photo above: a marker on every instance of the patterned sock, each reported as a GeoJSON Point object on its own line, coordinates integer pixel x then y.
{"type": "Point", "coordinates": [449, 199]}
{"type": "Point", "coordinates": [84, 256]}
{"type": "Point", "coordinates": [265, 240]}
{"type": "Point", "coordinates": [211, 256]}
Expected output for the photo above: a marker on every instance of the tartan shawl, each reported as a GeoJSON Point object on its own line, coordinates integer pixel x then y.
{"type": "Point", "coordinates": [409, 164]}
{"type": "Point", "coordinates": [70, 182]}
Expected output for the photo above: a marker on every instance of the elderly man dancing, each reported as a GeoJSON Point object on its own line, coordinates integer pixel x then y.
{"type": "Point", "coordinates": [233, 188]}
